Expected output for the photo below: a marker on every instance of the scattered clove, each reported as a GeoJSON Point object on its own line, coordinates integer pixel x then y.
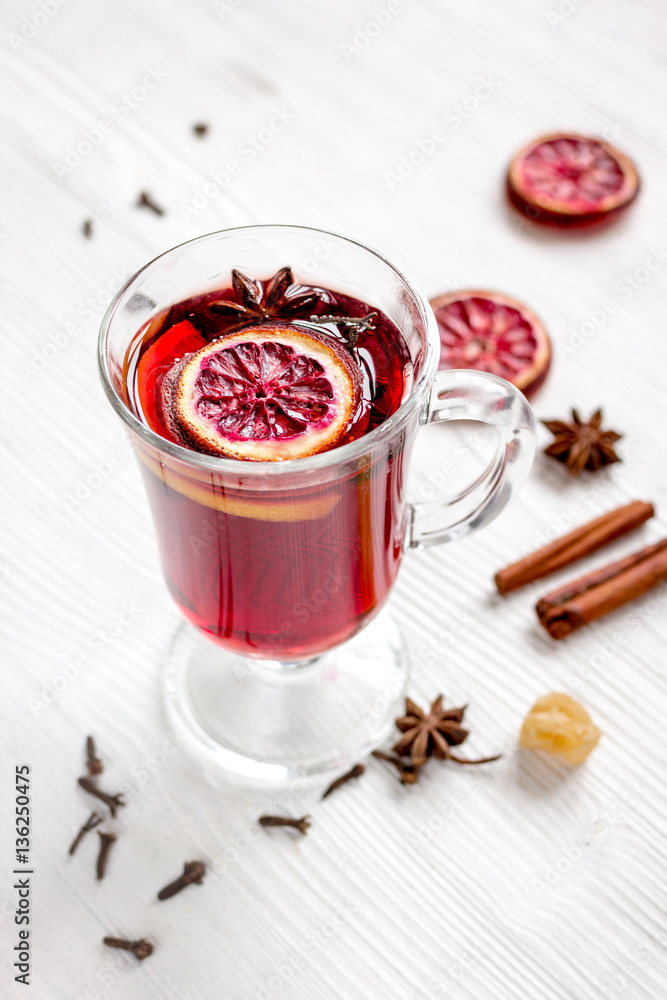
{"type": "Point", "coordinates": [145, 201]}
{"type": "Point", "coordinates": [407, 769]}
{"type": "Point", "coordinates": [93, 762]}
{"type": "Point", "coordinates": [112, 801]}
{"type": "Point", "coordinates": [200, 129]}
{"type": "Point", "coordinates": [193, 871]}
{"type": "Point", "coordinates": [140, 949]}
{"type": "Point", "coordinates": [106, 840]}
{"type": "Point", "coordinates": [302, 825]}
{"type": "Point", "coordinates": [354, 772]}
{"type": "Point", "coordinates": [93, 820]}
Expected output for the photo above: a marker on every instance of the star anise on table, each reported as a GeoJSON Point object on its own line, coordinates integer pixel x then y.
{"type": "Point", "coordinates": [256, 305]}
{"type": "Point", "coordinates": [582, 444]}
{"type": "Point", "coordinates": [432, 733]}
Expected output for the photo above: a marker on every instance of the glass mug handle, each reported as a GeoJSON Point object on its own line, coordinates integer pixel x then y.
{"type": "Point", "coordinates": [473, 395]}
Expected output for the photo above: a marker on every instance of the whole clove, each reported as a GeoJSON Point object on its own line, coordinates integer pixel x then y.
{"type": "Point", "coordinates": [408, 770]}
{"type": "Point", "coordinates": [93, 762]}
{"type": "Point", "coordinates": [93, 820]}
{"type": "Point", "coordinates": [145, 201]}
{"type": "Point", "coordinates": [193, 872]}
{"type": "Point", "coordinates": [106, 840]}
{"type": "Point", "coordinates": [354, 772]}
{"type": "Point", "coordinates": [112, 801]}
{"type": "Point", "coordinates": [302, 825]}
{"type": "Point", "coordinates": [140, 949]}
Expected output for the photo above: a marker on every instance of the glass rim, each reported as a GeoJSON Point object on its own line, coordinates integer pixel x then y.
{"type": "Point", "coordinates": [214, 463]}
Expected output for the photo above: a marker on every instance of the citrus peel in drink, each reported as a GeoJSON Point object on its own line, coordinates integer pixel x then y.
{"type": "Point", "coordinates": [272, 392]}
{"type": "Point", "coordinates": [209, 492]}
{"type": "Point", "coordinates": [571, 180]}
{"type": "Point", "coordinates": [494, 333]}
{"type": "Point", "coordinates": [180, 340]}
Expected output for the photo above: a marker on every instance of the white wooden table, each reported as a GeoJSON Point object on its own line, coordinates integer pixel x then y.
{"type": "Point", "coordinates": [523, 879]}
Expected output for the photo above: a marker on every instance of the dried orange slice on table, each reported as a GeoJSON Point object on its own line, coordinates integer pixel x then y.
{"type": "Point", "coordinates": [571, 180]}
{"type": "Point", "coordinates": [493, 333]}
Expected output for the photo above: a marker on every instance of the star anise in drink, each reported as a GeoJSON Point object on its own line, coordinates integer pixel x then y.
{"type": "Point", "coordinates": [277, 299]}
{"type": "Point", "coordinates": [432, 733]}
{"type": "Point", "coordinates": [582, 444]}
{"type": "Point", "coordinates": [256, 303]}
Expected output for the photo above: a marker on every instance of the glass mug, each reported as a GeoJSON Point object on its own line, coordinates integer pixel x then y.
{"type": "Point", "coordinates": [287, 665]}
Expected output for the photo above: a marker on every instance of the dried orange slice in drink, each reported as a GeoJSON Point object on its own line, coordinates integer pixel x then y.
{"type": "Point", "coordinates": [492, 333]}
{"type": "Point", "coordinates": [571, 180]}
{"type": "Point", "coordinates": [269, 393]}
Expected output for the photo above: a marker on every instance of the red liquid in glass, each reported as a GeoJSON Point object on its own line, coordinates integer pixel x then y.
{"type": "Point", "coordinates": [293, 570]}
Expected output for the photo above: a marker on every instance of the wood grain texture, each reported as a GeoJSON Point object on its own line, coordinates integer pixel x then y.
{"type": "Point", "coordinates": [520, 879]}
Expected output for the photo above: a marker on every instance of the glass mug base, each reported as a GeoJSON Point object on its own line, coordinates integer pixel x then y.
{"type": "Point", "coordinates": [276, 721]}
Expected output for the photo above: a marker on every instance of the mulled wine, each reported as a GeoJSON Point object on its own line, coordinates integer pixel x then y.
{"type": "Point", "coordinates": [273, 567]}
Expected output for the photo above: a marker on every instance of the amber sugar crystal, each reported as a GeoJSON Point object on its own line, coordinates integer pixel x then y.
{"type": "Point", "coordinates": [560, 725]}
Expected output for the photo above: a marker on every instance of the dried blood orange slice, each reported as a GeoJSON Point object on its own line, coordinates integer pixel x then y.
{"type": "Point", "coordinates": [492, 333]}
{"type": "Point", "coordinates": [571, 180]}
{"type": "Point", "coordinates": [268, 393]}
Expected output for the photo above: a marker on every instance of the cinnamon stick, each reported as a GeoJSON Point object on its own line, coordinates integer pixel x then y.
{"type": "Point", "coordinates": [573, 546]}
{"type": "Point", "coordinates": [582, 601]}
